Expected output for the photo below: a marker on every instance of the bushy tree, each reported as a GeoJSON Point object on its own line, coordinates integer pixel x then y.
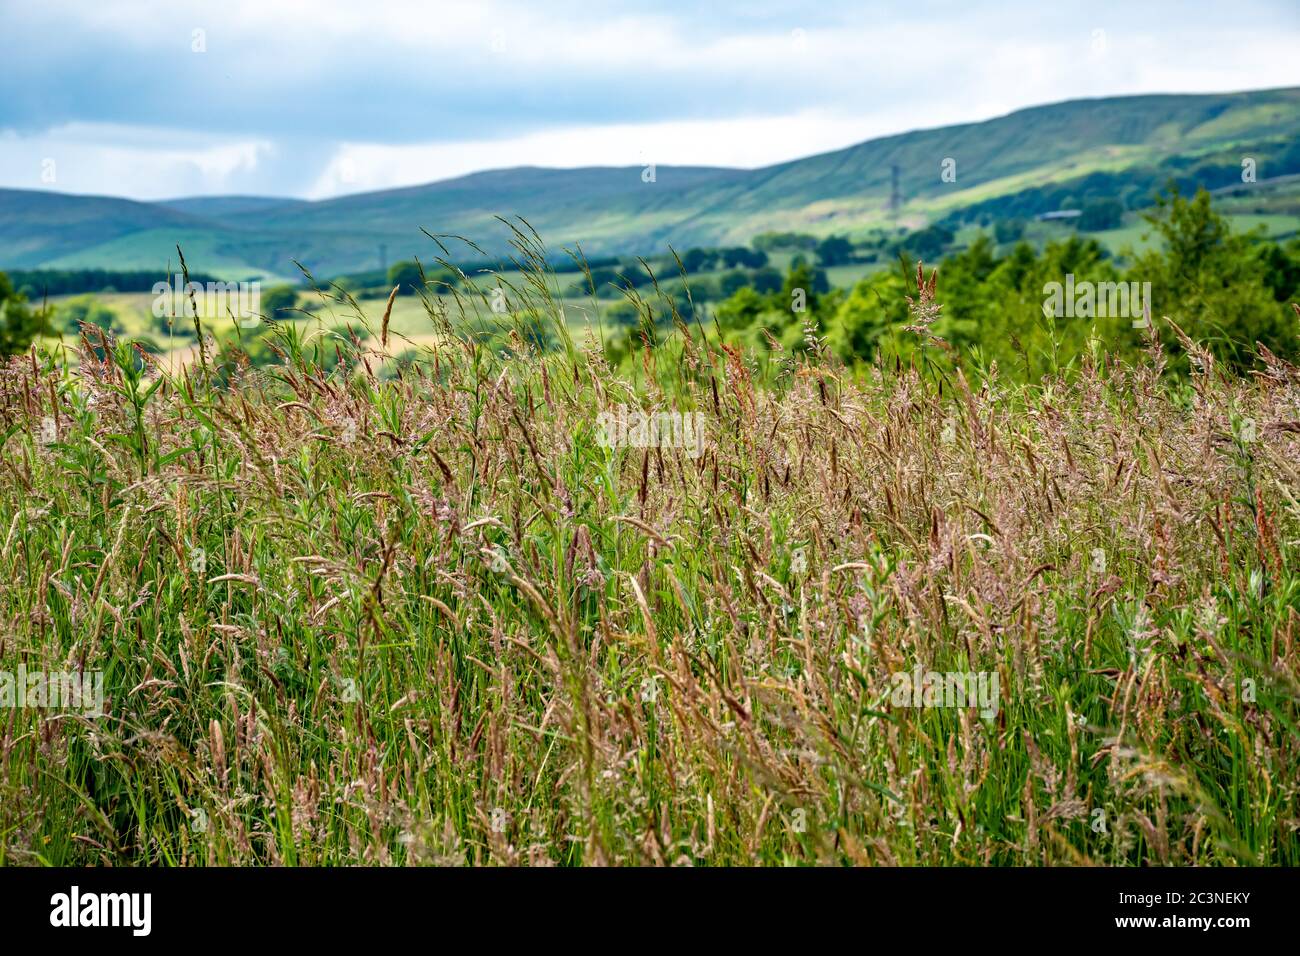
{"type": "Point", "coordinates": [698, 260]}
{"type": "Point", "coordinates": [729, 283]}
{"type": "Point", "coordinates": [1099, 214]}
{"type": "Point", "coordinates": [742, 308]}
{"type": "Point", "coordinates": [766, 280]}
{"type": "Point", "coordinates": [1282, 270]}
{"type": "Point", "coordinates": [1009, 230]}
{"type": "Point", "coordinates": [1212, 282]}
{"type": "Point", "coordinates": [20, 324]}
{"type": "Point", "coordinates": [87, 310]}
{"type": "Point", "coordinates": [834, 251]}
{"type": "Point", "coordinates": [927, 244]}
{"type": "Point", "coordinates": [812, 281]}
{"type": "Point", "coordinates": [406, 276]}
{"type": "Point", "coordinates": [620, 314]}
{"type": "Point", "coordinates": [744, 257]}
{"type": "Point", "coordinates": [278, 300]}
{"type": "Point", "coordinates": [872, 313]}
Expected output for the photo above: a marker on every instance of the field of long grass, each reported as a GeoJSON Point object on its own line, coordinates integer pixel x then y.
{"type": "Point", "coordinates": [437, 619]}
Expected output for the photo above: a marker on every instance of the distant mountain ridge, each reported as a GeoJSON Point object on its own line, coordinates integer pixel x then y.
{"type": "Point", "coordinates": [1041, 155]}
{"type": "Point", "coordinates": [219, 207]}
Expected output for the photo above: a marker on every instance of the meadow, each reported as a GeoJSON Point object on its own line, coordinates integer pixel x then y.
{"type": "Point", "coordinates": [437, 617]}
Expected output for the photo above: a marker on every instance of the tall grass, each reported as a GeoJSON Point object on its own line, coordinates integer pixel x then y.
{"type": "Point", "coordinates": [347, 617]}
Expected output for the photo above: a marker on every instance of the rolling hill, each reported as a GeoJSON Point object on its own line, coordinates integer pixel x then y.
{"type": "Point", "coordinates": [1034, 160]}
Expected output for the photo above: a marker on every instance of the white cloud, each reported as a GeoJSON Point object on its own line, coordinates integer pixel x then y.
{"type": "Point", "coordinates": [313, 98]}
{"type": "Point", "coordinates": [137, 162]}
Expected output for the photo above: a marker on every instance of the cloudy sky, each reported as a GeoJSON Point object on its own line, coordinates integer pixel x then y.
{"type": "Point", "coordinates": [313, 98]}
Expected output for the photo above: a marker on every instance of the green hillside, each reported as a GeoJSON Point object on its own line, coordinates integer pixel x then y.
{"type": "Point", "coordinates": [219, 207]}
{"type": "Point", "coordinates": [38, 228]}
{"type": "Point", "coordinates": [1020, 165]}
